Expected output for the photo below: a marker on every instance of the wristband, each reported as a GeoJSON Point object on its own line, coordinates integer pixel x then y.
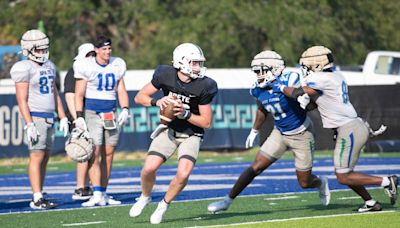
{"type": "Point", "coordinates": [187, 115]}
{"type": "Point", "coordinates": [153, 102]}
{"type": "Point", "coordinates": [125, 108]}
{"type": "Point", "coordinates": [79, 114]}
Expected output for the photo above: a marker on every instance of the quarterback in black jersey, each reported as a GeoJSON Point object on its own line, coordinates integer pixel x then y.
{"type": "Point", "coordinates": [194, 92]}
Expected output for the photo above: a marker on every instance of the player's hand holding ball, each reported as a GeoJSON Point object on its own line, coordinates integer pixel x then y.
{"type": "Point", "coordinates": [167, 113]}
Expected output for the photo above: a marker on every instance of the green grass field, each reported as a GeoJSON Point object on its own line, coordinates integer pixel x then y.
{"type": "Point", "coordinates": [278, 210]}
{"type": "Point", "coordinates": [281, 210]}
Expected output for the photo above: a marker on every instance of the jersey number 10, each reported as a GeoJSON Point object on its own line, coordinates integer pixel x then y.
{"type": "Point", "coordinates": [109, 82]}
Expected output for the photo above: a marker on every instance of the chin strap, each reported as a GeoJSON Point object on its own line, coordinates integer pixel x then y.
{"type": "Point", "coordinates": [373, 133]}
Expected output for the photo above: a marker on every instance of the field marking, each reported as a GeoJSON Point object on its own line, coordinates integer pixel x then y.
{"type": "Point", "coordinates": [282, 198]}
{"type": "Point", "coordinates": [294, 219]}
{"type": "Point", "coordinates": [84, 223]}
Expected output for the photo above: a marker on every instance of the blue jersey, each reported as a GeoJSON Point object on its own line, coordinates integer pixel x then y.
{"type": "Point", "coordinates": [289, 117]}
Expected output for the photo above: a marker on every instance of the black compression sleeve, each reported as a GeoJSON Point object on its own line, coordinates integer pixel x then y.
{"type": "Point", "coordinates": [297, 92]}
{"type": "Point", "coordinates": [245, 179]}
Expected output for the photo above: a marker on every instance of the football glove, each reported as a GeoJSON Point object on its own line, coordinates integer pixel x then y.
{"type": "Point", "coordinates": [303, 100]}
{"type": "Point", "coordinates": [64, 126]}
{"type": "Point", "coordinates": [80, 123]}
{"type": "Point", "coordinates": [123, 117]}
{"type": "Point", "coordinates": [250, 139]}
{"type": "Point", "coordinates": [32, 133]}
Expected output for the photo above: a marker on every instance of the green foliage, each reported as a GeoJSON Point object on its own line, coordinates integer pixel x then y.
{"type": "Point", "coordinates": [231, 32]}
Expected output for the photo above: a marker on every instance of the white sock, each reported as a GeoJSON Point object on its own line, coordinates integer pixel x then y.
{"type": "Point", "coordinates": [370, 202]}
{"type": "Point", "coordinates": [144, 197]}
{"type": "Point", "coordinates": [385, 181]}
{"type": "Point", "coordinates": [37, 196]}
{"type": "Point", "coordinates": [97, 194]}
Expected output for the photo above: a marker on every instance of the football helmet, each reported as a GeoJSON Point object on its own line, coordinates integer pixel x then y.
{"type": "Point", "coordinates": [79, 146]}
{"type": "Point", "coordinates": [189, 59]}
{"type": "Point", "coordinates": [268, 65]}
{"type": "Point", "coordinates": [315, 59]}
{"type": "Point", "coordinates": [35, 45]}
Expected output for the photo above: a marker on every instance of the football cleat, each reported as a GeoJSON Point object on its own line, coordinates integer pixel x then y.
{"type": "Point", "coordinates": [376, 207]}
{"type": "Point", "coordinates": [324, 193]}
{"type": "Point", "coordinates": [222, 205]}
{"type": "Point", "coordinates": [137, 208]}
{"type": "Point", "coordinates": [82, 193]}
{"type": "Point", "coordinates": [42, 204]}
{"type": "Point", "coordinates": [391, 189]}
{"type": "Point", "coordinates": [110, 200]}
{"type": "Point", "coordinates": [158, 214]}
{"type": "Point", "coordinates": [95, 200]}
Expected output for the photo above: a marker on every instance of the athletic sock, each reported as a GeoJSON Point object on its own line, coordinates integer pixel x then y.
{"type": "Point", "coordinates": [385, 181]}
{"type": "Point", "coordinates": [37, 196]}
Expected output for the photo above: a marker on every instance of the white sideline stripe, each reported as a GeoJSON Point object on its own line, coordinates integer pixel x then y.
{"type": "Point", "coordinates": [294, 219]}
{"type": "Point", "coordinates": [282, 198]}
{"type": "Point", "coordinates": [345, 198]}
{"type": "Point", "coordinates": [84, 223]}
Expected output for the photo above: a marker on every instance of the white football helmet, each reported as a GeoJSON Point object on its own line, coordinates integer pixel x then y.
{"type": "Point", "coordinates": [79, 146]}
{"type": "Point", "coordinates": [315, 59]}
{"type": "Point", "coordinates": [189, 59]}
{"type": "Point", "coordinates": [268, 65]}
{"type": "Point", "coordinates": [35, 45]}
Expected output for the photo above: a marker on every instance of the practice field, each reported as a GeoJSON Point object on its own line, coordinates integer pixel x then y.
{"type": "Point", "coordinates": [274, 199]}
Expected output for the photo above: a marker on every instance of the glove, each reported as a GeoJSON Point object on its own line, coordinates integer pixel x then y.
{"type": "Point", "coordinates": [123, 117]}
{"type": "Point", "coordinates": [32, 133]}
{"type": "Point", "coordinates": [250, 139]}
{"type": "Point", "coordinates": [277, 87]}
{"type": "Point", "coordinates": [80, 123]}
{"type": "Point", "coordinates": [158, 130]}
{"type": "Point", "coordinates": [184, 115]}
{"type": "Point", "coordinates": [372, 132]}
{"type": "Point", "coordinates": [64, 126]}
{"type": "Point", "coordinates": [303, 100]}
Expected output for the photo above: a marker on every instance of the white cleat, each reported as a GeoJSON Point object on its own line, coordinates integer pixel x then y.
{"type": "Point", "coordinates": [95, 200]}
{"type": "Point", "coordinates": [324, 193]}
{"type": "Point", "coordinates": [110, 200]}
{"type": "Point", "coordinates": [137, 208]}
{"type": "Point", "coordinates": [157, 216]}
{"type": "Point", "coordinates": [218, 206]}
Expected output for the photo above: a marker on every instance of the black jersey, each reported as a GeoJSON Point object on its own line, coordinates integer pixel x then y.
{"type": "Point", "coordinates": [197, 92]}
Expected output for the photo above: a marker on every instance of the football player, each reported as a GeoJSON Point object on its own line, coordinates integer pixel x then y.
{"type": "Point", "coordinates": [328, 89]}
{"type": "Point", "coordinates": [99, 80]}
{"type": "Point", "coordinates": [82, 191]}
{"type": "Point", "coordinates": [293, 130]}
{"type": "Point", "coordinates": [194, 92]}
{"type": "Point", "coordinates": [38, 98]}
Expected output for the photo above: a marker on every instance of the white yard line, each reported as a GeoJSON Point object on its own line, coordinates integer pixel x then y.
{"type": "Point", "coordinates": [291, 219]}
{"type": "Point", "coordinates": [84, 223]}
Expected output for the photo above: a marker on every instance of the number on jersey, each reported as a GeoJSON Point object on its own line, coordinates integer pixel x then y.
{"type": "Point", "coordinates": [106, 82]}
{"type": "Point", "coordinates": [276, 109]}
{"type": "Point", "coordinates": [46, 84]}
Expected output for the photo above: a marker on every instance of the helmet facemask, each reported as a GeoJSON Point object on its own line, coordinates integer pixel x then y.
{"type": "Point", "coordinates": [268, 66]}
{"type": "Point", "coordinates": [35, 46]}
{"type": "Point", "coordinates": [189, 59]}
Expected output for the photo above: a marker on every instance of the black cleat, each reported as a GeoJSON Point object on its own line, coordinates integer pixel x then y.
{"type": "Point", "coordinates": [42, 204]}
{"type": "Point", "coordinates": [376, 207]}
{"type": "Point", "coordinates": [391, 189]}
{"type": "Point", "coordinates": [82, 193]}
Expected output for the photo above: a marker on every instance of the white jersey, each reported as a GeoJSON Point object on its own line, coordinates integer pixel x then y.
{"type": "Point", "coordinates": [333, 103]}
{"type": "Point", "coordinates": [102, 81]}
{"type": "Point", "coordinates": [41, 79]}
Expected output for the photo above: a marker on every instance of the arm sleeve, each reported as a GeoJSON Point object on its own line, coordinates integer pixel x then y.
{"type": "Point", "coordinates": [294, 80]}
{"type": "Point", "coordinates": [69, 82]}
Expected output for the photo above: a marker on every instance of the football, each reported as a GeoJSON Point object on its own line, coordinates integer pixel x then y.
{"type": "Point", "coordinates": [167, 113]}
